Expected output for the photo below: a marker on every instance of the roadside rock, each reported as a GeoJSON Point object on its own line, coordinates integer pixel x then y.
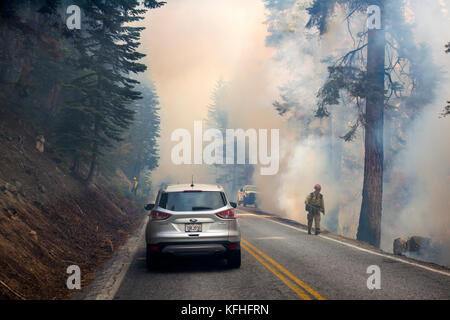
{"type": "Point", "coordinates": [40, 143]}
{"type": "Point", "coordinates": [400, 246]}
{"type": "Point", "coordinates": [34, 235]}
{"type": "Point", "coordinates": [414, 245]}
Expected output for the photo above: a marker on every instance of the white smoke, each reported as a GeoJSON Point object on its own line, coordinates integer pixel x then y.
{"type": "Point", "coordinates": [188, 53]}
{"type": "Point", "coordinates": [426, 159]}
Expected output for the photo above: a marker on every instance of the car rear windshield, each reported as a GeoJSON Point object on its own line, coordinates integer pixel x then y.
{"type": "Point", "coordinates": [192, 200]}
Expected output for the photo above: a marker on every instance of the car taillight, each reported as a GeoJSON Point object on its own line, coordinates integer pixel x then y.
{"type": "Point", "coordinates": [227, 214]}
{"type": "Point", "coordinates": [158, 215]}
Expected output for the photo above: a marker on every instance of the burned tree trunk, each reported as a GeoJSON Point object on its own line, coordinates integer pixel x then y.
{"type": "Point", "coordinates": [369, 228]}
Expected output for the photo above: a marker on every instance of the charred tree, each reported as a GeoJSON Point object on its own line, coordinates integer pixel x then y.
{"type": "Point", "coordinates": [369, 229]}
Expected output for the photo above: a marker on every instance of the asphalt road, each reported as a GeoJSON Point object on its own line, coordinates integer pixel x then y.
{"type": "Point", "coordinates": [282, 262]}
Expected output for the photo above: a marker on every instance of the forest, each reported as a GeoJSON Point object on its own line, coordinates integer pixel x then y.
{"type": "Point", "coordinates": [359, 81]}
{"type": "Point", "coordinates": [347, 100]}
{"type": "Point", "coordinates": [79, 88]}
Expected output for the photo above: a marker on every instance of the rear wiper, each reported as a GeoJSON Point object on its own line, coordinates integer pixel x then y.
{"type": "Point", "coordinates": [200, 208]}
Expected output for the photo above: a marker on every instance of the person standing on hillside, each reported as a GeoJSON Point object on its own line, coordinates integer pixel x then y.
{"type": "Point", "coordinates": [135, 186]}
{"type": "Point", "coordinates": [315, 205]}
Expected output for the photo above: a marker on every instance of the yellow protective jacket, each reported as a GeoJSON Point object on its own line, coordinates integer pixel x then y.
{"type": "Point", "coordinates": [316, 201]}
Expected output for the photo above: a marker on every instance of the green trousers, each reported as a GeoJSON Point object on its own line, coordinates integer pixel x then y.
{"type": "Point", "coordinates": [314, 215]}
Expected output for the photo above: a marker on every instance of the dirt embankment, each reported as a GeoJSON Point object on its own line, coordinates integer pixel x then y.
{"type": "Point", "coordinates": [49, 220]}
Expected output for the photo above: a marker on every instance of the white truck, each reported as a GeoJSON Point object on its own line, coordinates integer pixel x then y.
{"type": "Point", "coordinates": [248, 195]}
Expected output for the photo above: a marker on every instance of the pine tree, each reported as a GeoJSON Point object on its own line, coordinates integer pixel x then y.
{"type": "Point", "coordinates": [369, 229]}
{"type": "Point", "coordinates": [76, 86]}
{"type": "Point", "coordinates": [108, 54]}
{"type": "Point", "coordinates": [233, 176]}
{"type": "Point", "coordinates": [142, 140]}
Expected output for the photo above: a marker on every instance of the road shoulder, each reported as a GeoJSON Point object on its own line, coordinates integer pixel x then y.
{"type": "Point", "coordinates": [109, 278]}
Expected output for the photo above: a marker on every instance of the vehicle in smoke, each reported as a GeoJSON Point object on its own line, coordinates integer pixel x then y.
{"type": "Point", "coordinates": [248, 195]}
{"type": "Point", "coordinates": [193, 220]}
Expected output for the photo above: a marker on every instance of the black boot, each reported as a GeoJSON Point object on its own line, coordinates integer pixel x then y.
{"type": "Point", "coordinates": [317, 232]}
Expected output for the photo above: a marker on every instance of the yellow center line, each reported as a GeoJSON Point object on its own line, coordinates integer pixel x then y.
{"type": "Point", "coordinates": [286, 281]}
{"type": "Point", "coordinates": [285, 271]}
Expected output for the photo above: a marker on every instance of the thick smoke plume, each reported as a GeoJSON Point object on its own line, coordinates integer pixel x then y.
{"type": "Point", "coordinates": [194, 43]}
{"type": "Point", "coordinates": [416, 188]}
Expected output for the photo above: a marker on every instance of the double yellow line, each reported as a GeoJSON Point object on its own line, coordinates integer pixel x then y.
{"type": "Point", "coordinates": [295, 284]}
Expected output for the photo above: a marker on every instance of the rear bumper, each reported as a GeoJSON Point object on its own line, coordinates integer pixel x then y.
{"type": "Point", "coordinates": [194, 248]}
{"type": "Point", "coordinates": [231, 234]}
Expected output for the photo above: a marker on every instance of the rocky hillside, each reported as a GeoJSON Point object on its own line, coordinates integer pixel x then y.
{"type": "Point", "coordinates": [49, 220]}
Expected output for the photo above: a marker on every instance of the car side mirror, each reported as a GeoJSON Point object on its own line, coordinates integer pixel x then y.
{"type": "Point", "coordinates": [149, 206]}
{"type": "Point", "coordinates": [233, 204]}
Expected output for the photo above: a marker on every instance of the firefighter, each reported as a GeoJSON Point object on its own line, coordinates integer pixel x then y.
{"type": "Point", "coordinates": [315, 205]}
{"type": "Point", "coordinates": [135, 186]}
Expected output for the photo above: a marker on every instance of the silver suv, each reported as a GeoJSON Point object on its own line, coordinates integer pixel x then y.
{"type": "Point", "coordinates": [193, 220]}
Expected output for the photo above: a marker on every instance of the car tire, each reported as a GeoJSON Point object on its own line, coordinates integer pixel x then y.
{"type": "Point", "coordinates": [234, 259]}
{"type": "Point", "coordinates": [152, 259]}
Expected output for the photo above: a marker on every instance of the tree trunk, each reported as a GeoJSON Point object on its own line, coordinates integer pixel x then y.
{"type": "Point", "coordinates": [369, 229]}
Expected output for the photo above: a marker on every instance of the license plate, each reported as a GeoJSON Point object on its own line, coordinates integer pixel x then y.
{"type": "Point", "coordinates": [193, 227]}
